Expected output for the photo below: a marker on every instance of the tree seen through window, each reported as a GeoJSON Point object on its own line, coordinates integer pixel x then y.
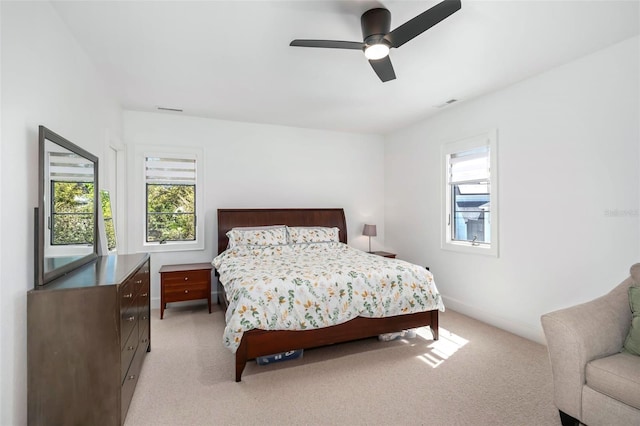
{"type": "Point", "coordinates": [72, 218]}
{"type": "Point", "coordinates": [171, 212]}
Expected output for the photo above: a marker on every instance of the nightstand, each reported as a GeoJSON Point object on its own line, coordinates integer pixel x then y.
{"type": "Point", "coordinates": [384, 254]}
{"type": "Point", "coordinates": [179, 283]}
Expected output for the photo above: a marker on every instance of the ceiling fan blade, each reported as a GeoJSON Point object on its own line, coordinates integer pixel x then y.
{"type": "Point", "coordinates": [422, 22]}
{"type": "Point", "coordinates": [331, 44]}
{"type": "Point", "coordinates": [383, 68]}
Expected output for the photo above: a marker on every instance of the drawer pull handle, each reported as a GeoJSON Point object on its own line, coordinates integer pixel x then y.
{"type": "Point", "coordinates": [145, 294]}
{"type": "Point", "coordinates": [139, 282]}
{"type": "Point", "coordinates": [186, 291]}
{"type": "Point", "coordinates": [186, 278]}
{"type": "Point", "coordinates": [128, 296]}
{"type": "Point", "coordinates": [144, 317]}
{"type": "Point", "coordinates": [131, 318]}
{"type": "Point", "coordinates": [130, 348]}
{"type": "Point", "coordinates": [145, 340]}
{"type": "Point", "coordinates": [131, 377]}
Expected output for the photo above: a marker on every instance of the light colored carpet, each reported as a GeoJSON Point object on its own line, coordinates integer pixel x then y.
{"type": "Point", "coordinates": [474, 375]}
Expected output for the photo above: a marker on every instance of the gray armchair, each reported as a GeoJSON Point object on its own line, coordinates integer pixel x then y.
{"type": "Point", "coordinates": [594, 382]}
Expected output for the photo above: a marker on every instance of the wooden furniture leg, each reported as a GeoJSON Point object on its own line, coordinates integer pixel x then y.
{"type": "Point", "coordinates": [241, 359]}
{"type": "Point", "coordinates": [435, 328]}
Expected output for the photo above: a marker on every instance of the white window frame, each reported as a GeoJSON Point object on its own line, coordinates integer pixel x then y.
{"type": "Point", "coordinates": [489, 139]}
{"type": "Point", "coordinates": [54, 249]}
{"type": "Point", "coordinates": [141, 153]}
{"type": "Point", "coordinates": [114, 171]}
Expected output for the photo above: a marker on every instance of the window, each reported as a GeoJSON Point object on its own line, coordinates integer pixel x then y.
{"type": "Point", "coordinates": [107, 218]}
{"type": "Point", "coordinates": [470, 200]}
{"type": "Point", "coordinates": [170, 199]}
{"type": "Point", "coordinates": [72, 193]}
{"type": "Point", "coordinates": [71, 213]}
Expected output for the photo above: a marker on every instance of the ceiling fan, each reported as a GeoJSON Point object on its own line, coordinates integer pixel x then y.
{"type": "Point", "coordinates": [377, 39]}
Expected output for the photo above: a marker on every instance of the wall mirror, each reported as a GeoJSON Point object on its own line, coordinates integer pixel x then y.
{"type": "Point", "coordinates": [67, 213]}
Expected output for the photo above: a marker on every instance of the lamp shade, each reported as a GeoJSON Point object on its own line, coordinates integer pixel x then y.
{"type": "Point", "coordinates": [369, 230]}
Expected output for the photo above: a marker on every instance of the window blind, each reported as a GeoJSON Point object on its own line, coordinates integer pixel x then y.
{"type": "Point", "coordinates": [170, 171]}
{"type": "Point", "coordinates": [67, 167]}
{"type": "Point", "coordinates": [469, 166]}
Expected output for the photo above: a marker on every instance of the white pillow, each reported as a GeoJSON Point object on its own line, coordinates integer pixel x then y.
{"type": "Point", "coordinates": [258, 236]}
{"type": "Point", "coordinates": [313, 234]}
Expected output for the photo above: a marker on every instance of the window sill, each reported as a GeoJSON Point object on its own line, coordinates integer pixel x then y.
{"type": "Point", "coordinates": [465, 247]}
{"type": "Point", "coordinates": [171, 246]}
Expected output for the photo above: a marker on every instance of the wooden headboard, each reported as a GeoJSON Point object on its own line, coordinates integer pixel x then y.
{"type": "Point", "coordinates": [232, 218]}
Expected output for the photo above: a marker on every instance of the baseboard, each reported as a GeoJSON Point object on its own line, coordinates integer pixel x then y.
{"type": "Point", "coordinates": [512, 326]}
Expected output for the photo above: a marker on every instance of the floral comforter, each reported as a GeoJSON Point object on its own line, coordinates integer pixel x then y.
{"type": "Point", "coordinates": [314, 285]}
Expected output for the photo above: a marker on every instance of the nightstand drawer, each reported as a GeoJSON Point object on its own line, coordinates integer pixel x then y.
{"type": "Point", "coordinates": [186, 277]}
{"type": "Point", "coordinates": [181, 293]}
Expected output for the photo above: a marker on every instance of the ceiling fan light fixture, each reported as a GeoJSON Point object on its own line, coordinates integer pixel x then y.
{"type": "Point", "coordinates": [376, 51]}
{"type": "Point", "coordinates": [377, 39]}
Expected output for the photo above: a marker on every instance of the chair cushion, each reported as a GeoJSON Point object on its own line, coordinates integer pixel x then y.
{"type": "Point", "coordinates": [617, 376]}
{"type": "Point", "coordinates": [632, 342]}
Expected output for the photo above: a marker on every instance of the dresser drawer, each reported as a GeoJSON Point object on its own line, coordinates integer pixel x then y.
{"type": "Point", "coordinates": [128, 320]}
{"type": "Point", "coordinates": [144, 313]}
{"type": "Point", "coordinates": [127, 293]}
{"type": "Point", "coordinates": [128, 351]}
{"type": "Point", "coordinates": [130, 381]}
{"type": "Point", "coordinates": [142, 301]}
{"type": "Point", "coordinates": [144, 337]}
{"type": "Point", "coordinates": [140, 279]}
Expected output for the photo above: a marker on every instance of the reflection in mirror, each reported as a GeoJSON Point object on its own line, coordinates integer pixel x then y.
{"type": "Point", "coordinates": [109, 223]}
{"type": "Point", "coordinates": [67, 230]}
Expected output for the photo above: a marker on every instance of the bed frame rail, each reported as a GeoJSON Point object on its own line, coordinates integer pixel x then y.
{"type": "Point", "coordinates": [257, 343]}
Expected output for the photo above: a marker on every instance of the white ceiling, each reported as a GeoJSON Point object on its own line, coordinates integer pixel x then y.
{"type": "Point", "coordinates": [232, 60]}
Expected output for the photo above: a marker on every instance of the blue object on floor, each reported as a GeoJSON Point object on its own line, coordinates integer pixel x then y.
{"type": "Point", "coordinates": [283, 356]}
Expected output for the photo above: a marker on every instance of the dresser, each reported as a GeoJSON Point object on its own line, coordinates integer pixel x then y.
{"type": "Point", "coordinates": [87, 336]}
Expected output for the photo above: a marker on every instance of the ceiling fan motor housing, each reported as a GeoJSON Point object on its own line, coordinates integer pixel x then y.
{"type": "Point", "coordinates": [375, 23]}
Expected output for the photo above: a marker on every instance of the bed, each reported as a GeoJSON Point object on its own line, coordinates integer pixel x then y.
{"type": "Point", "coordinates": [257, 342]}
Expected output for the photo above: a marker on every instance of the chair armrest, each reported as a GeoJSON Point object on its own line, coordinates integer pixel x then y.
{"type": "Point", "coordinates": [580, 334]}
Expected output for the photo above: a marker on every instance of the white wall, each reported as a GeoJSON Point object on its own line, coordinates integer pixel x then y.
{"type": "Point", "coordinates": [568, 150]}
{"type": "Point", "coordinates": [3, 346]}
{"type": "Point", "coordinates": [256, 165]}
{"type": "Point", "coordinates": [46, 79]}
{"type": "Point", "coordinates": [576, 126]}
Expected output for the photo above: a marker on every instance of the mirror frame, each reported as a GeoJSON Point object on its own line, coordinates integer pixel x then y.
{"type": "Point", "coordinates": [42, 276]}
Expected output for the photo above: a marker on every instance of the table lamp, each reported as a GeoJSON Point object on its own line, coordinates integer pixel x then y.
{"type": "Point", "coordinates": [369, 231]}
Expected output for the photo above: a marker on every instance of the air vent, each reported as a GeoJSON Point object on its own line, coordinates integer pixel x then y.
{"type": "Point", "coordinates": [449, 102]}
{"type": "Point", "coordinates": [170, 109]}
